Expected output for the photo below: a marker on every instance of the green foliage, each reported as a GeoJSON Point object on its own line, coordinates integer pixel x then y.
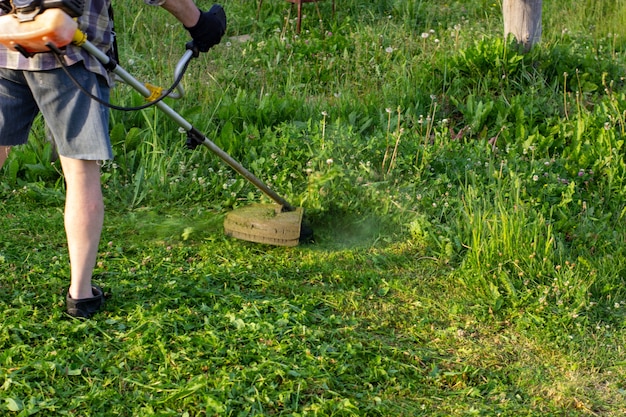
{"type": "Point", "coordinates": [467, 201]}
{"type": "Point", "coordinates": [37, 164]}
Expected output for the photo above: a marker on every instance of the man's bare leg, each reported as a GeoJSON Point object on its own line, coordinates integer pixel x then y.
{"type": "Point", "coordinates": [4, 153]}
{"type": "Point", "coordinates": [84, 216]}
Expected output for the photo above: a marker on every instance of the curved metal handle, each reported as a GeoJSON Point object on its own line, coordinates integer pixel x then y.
{"type": "Point", "coordinates": [180, 68]}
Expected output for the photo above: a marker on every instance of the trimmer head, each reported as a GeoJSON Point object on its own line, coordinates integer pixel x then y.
{"type": "Point", "coordinates": [267, 223]}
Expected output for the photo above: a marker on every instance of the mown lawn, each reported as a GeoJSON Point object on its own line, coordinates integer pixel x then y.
{"type": "Point", "coordinates": [356, 324]}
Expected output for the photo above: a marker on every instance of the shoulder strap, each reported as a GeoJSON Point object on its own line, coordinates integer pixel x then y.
{"type": "Point", "coordinates": [113, 52]}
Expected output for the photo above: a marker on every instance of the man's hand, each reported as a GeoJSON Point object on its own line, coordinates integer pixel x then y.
{"type": "Point", "coordinates": [210, 28]}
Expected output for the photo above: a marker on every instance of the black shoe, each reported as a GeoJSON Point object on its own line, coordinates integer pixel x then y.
{"type": "Point", "coordinates": [85, 307]}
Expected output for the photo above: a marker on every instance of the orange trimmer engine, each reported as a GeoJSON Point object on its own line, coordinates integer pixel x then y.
{"type": "Point", "coordinates": [33, 26]}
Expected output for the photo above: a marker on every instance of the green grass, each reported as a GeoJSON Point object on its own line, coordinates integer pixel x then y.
{"type": "Point", "coordinates": [468, 204]}
{"type": "Point", "coordinates": [213, 326]}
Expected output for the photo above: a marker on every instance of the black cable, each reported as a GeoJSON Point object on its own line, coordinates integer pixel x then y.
{"type": "Point", "coordinates": [58, 54]}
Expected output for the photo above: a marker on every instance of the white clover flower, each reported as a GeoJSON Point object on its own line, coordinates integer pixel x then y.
{"type": "Point", "coordinates": [329, 161]}
{"type": "Point", "coordinates": [425, 35]}
{"type": "Point", "coordinates": [389, 49]}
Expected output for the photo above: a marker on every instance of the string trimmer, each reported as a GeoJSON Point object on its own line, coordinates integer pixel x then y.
{"type": "Point", "coordinates": [49, 27]}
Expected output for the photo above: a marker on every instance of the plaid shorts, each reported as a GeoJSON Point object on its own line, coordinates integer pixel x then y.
{"type": "Point", "coordinates": [78, 124]}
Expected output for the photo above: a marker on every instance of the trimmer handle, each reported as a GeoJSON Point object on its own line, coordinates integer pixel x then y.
{"type": "Point", "coordinates": [191, 46]}
{"type": "Point", "coordinates": [180, 70]}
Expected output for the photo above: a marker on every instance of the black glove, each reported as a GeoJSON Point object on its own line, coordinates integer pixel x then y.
{"type": "Point", "coordinates": [210, 28]}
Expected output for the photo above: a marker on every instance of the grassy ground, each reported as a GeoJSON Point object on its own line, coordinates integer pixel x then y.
{"type": "Point", "coordinates": [467, 201]}
{"type": "Point", "coordinates": [212, 326]}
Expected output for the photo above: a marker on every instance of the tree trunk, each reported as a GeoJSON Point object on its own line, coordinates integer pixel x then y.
{"type": "Point", "coordinates": [522, 18]}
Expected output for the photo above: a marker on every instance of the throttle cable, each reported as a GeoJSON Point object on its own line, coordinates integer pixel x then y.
{"type": "Point", "coordinates": [58, 54]}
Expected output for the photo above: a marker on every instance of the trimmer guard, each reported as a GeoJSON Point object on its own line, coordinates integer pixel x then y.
{"type": "Point", "coordinates": [265, 223]}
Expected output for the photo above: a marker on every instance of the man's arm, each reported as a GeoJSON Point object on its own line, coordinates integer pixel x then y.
{"type": "Point", "coordinates": [206, 28]}
{"type": "Point", "coordinates": [185, 11]}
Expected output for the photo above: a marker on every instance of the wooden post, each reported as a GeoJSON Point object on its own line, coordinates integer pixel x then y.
{"type": "Point", "coordinates": [522, 18]}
